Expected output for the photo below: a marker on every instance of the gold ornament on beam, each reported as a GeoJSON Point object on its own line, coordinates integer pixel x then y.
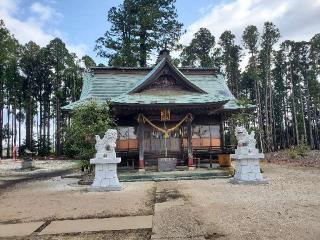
{"type": "Point", "coordinates": [165, 114]}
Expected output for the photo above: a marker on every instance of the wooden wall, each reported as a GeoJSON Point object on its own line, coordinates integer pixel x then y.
{"type": "Point", "coordinates": [204, 137]}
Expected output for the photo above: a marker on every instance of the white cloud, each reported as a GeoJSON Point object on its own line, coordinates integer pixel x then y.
{"type": "Point", "coordinates": [79, 49]}
{"type": "Point", "coordinates": [45, 12]}
{"type": "Point", "coordinates": [34, 28]}
{"type": "Point", "coordinates": [296, 19]}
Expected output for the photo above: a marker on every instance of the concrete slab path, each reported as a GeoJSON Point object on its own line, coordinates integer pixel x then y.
{"type": "Point", "coordinates": [19, 229]}
{"type": "Point", "coordinates": [173, 217]}
{"type": "Point", "coordinates": [98, 224]}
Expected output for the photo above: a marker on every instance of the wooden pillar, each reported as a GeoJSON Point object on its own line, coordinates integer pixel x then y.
{"type": "Point", "coordinates": [190, 150]}
{"type": "Point", "coordinates": [141, 145]}
{"type": "Point", "coordinates": [224, 157]}
{"type": "Point", "coordinates": [222, 136]}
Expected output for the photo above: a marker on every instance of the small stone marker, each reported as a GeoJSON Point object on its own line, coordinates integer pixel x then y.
{"type": "Point", "coordinates": [106, 178]}
{"type": "Point", "coordinates": [167, 164]}
{"type": "Point", "coordinates": [27, 162]}
{"type": "Point", "coordinates": [247, 157]}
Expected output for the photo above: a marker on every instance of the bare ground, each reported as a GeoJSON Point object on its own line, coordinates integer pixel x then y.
{"type": "Point", "coordinates": [287, 208]}
{"type": "Point", "coordinates": [63, 199]}
{"type": "Point", "coordinates": [283, 157]}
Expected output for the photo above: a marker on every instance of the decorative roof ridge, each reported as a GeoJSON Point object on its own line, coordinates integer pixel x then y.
{"type": "Point", "coordinates": [150, 68]}
{"type": "Point", "coordinates": [156, 69]}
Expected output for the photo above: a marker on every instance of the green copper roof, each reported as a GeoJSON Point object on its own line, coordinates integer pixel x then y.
{"type": "Point", "coordinates": [233, 105]}
{"type": "Point", "coordinates": [117, 85]}
{"type": "Point", "coordinates": [216, 89]}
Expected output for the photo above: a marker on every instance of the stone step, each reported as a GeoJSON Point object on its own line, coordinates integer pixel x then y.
{"type": "Point", "coordinates": [172, 176]}
{"type": "Point", "coordinates": [169, 176]}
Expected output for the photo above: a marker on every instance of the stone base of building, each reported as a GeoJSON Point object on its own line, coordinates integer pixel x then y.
{"type": "Point", "coordinates": [250, 182]}
{"type": "Point", "coordinates": [104, 189]}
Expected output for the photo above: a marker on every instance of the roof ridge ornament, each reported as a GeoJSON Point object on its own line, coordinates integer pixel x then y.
{"type": "Point", "coordinates": [164, 53]}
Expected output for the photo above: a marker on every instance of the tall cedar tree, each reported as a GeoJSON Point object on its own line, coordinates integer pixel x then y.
{"type": "Point", "coordinates": [137, 28]}
{"type": "Point", "coordinates": [8, 55]}
{"type": "Point", "coordinates": [231, 61]}
{"type": "Point", "coordinates": [270, 36]}
{"type": "Point", "coordinates": [250, 38]}
{"type": "Point", "coordinates": [199, 52]}
{"type": "Point", "coordinates": [30, 63]}
{"type": "Point", "coordinates": [60, 59]}
{"type": "Point", "coordinates": [314, 85]}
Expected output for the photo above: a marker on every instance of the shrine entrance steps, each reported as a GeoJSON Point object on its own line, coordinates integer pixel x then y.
{"type": "Point", "coordinates": [181, 173]}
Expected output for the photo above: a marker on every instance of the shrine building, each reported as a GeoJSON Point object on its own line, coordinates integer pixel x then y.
{"type": "Point", "coordinates": [164, 111]}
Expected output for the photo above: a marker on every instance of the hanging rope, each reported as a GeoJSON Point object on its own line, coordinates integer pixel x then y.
{"type": "Point", "coordinates": [165, 131]}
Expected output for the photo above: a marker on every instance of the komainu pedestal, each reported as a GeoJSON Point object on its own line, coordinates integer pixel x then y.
{"type": "Point", "coordinates": [106, 178]}
{"type": "Point", "coordinates": [247, 157]}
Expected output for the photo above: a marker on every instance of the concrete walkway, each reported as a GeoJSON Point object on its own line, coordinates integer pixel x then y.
{"type": "Point", "coordinates": [77, 226]}
{"type": "Point", "coordinates": [95, 225]}
{"type": "Point", "coordinates": [19, 229]}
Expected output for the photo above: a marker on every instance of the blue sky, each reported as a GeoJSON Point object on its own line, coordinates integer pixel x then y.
{"type": "Point", "coordinates": [80, 22]}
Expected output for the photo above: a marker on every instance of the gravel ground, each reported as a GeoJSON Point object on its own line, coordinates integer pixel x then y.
{"type": "Point", "coordinates": [10, 176]}
{"type": "Point", "coordinates": [8, 166]}
{"type": "Point", "coordinates": [287, 208]}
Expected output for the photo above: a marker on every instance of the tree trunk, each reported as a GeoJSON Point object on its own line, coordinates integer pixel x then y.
{"type": "Point", "coordinates": [310, 137]}
{"type": "Point", "coordinates": [29, 124]}
{"type": "Point", "coordinates": [19, 129]}
{"type": "Point", "coordinates": [303, 118]}
{"type": "Point", "coordinates": [12, 130]}
{"type": "Point", "coordinates": [143, 49]}
{"type": "Point", "coordinates": [1, 129]}
{"type": "Point", "coordinates": [41, 143]}
{"type": "Point", "coordinates": [294, 109]}
{"type": "Point", "coordinates": [258, 103]}
{"type": "Point", "coordinates": [285, 110]}
{"type": "Point", "coordinates": [316, 127]}
{"type": "Point", "coordinates": [15, 122]}
{"type": "Point", "coordinates": [58, 130]}
{"type": "Point", "coordinates": [8, 132]}
{"type": "Point", "coordinates": [48, 122]}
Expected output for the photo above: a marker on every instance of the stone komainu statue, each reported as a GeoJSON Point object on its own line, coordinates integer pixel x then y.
{"type": "Point", "coordinates": [244, 138]}
{"type": "Point", "coordinates": [106, 178]}
{"type": "Point", "coordinates": [247, 156]}
{"type": "Point", "coordinates": [106, 144]}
